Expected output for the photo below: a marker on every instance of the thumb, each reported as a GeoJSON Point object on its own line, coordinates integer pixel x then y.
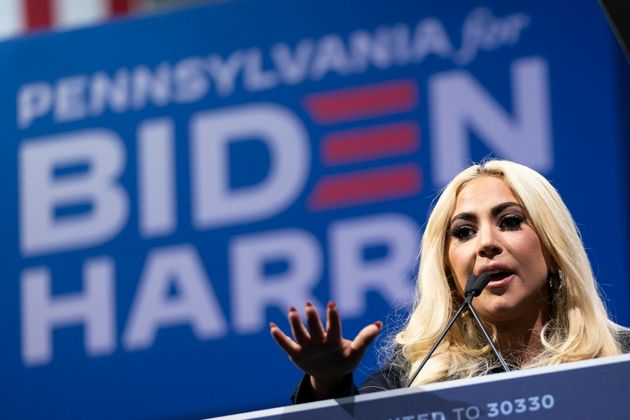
{"type": "Point", "coordinates": [365, 337]}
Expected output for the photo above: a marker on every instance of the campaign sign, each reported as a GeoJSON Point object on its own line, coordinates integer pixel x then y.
{"type": "Point", "coordinates": [172, 184]}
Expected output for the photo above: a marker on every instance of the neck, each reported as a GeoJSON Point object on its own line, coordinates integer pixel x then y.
{"type": "Point", "coordinates": [519, 341]}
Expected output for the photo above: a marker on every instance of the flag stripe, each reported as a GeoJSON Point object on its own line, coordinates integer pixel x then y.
{"type": "Point", "coordinates": [367, 186]}
{"type": "Point", "coordinates": [362, 102]}
{"type": "Point", "coordinates": [119, 7]}
{"type": "Point", "coordinates": [38, 14]}
{"type": "Point", "coordinates": [370, 143]}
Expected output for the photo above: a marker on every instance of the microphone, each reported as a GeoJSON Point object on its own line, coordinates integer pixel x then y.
{"type": "Point", "coordinates": [474, 287]}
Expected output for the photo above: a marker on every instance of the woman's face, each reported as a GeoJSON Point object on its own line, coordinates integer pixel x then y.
{"type": "Point", "coordinates": [489, 232]}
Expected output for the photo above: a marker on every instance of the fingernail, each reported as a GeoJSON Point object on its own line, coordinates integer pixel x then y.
{"type": "Point", "coordinates": [271, 325]}
{"type": "Point", "coordinates": [331, 304]}
{"type": "Point", "coordinates": [379, 324]}
{"type": "Point", "coordinates": [291, 309]}
{"type": "Point", "coordinates": [309, 304]}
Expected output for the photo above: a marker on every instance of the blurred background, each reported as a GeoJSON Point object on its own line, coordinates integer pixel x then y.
{"type": "Point", "coordinates": [177, 174]}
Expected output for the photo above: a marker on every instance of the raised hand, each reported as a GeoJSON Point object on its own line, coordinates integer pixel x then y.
{"type": "Point", "coordinates": [323, 354]}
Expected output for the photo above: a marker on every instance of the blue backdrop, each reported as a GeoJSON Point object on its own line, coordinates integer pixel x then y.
{"type": "Point", "coordinates": [171, 184]}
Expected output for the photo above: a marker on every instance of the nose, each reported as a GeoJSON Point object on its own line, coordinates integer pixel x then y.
{"type": "Point", "coordinates": [488, 245]}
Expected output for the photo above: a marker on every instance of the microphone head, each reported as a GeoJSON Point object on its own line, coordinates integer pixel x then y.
{"type": "Point", "coordinates": [475, 285]}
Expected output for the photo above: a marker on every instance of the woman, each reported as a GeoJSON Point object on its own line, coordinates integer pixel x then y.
{"type": "Point", "coordinates": [542, 306]}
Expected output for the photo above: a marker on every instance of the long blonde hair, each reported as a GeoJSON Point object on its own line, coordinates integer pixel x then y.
{"type": "Point", "coordinates": [579, 327]}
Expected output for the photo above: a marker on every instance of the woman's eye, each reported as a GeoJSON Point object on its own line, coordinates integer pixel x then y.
{"type": "Point", "coordinates": [462, 233]}
{"type": "Point", "coordinates": [511, 222]}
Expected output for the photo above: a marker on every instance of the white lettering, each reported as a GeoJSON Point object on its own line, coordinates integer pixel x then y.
{"type": "Point", "coordinates": [353, 276]}
{"type": "Point", "coordinates": [70, 99]}
{"type": "Point", "coordinates": [292, 69]}
{"type": "Point", "coordinates": [331, 56]}
{"type": "Point", "coordinates": [459, 103]}
{"type": "Point", "coordinates": [41, 192]}
{"type": "Point", "coordinates": [254, 291]}
{"type": "Point", "coordinates": [107, 92]}
{"type": "Point", "coordinates": [194, 303]}
{"type": "Point", "coordinates": [151, 88]}
{"type": "Point", "coordinates": [224, 73]}
{"type": "Point", "coordinates": [191, 84]}
{"type": "Point", "coordinates": [34, 100]}
{"type": "Point", "coordinates": [156, 177]}
{"type": "Point", "coordinates": [482, 31]}
{"type": "Point", "coordinates": [94, 308]}
{"type": "Point", "coordinates": [367, 49]}
{"type": "Point", "coordinates": [214, 202]}
{"type": "Point", "coordinates": [255, 77]}
{"type": "Point", "coordinates": [190, 78]}
{"type": "Point", "coordinates": [430, 38]}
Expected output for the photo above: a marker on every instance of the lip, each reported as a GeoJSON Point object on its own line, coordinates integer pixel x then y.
{"type": "Point", "coordinates": [495, 267]}
{"type": "Point", "coordinates": [495, 284]}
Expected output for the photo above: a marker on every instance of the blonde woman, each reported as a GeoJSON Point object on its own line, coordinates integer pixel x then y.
{"type": "Point", "coordinates": [542, 306]}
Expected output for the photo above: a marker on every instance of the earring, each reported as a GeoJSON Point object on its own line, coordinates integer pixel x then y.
{"type": "Point", "coordinates": [553, 288]}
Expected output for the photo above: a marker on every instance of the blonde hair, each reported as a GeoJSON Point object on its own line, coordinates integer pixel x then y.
{"type": "Point", "coordinates": [579, 327]}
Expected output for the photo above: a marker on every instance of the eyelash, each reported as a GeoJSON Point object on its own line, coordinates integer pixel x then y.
{"type": "Point", "coordinates": [510, 223]}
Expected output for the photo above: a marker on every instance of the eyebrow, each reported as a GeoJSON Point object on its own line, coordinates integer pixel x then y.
{"type": "Point", "coordinates": [495, 211]}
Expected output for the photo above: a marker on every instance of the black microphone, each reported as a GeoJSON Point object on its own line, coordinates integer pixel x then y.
{"type": "Point", "coordinates": [474, 287]}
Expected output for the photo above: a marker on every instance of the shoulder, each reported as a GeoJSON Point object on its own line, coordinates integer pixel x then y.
{"type": "Point", "coordinates": [623, 335]}
{"type": "Point", "coordinates": [391, 376]}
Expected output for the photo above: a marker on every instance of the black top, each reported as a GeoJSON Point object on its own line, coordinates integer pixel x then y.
{"type": "Point", "coordinates": [390, 376]}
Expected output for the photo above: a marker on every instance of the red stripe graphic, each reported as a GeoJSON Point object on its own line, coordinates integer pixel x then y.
{"type": "Point", "coordinates": [366, 187]}
{"type": "Point", "coordinates": [362, 102]}
{"type": "Point", "coordinates": [370, 143]}
{"type": "Point", "coordinates": [38, 14]}
{"type": "Point", "coordinates": [119, 7]}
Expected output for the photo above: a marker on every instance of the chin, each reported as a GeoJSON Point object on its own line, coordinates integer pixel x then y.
{"type": "Point", "coordinates": [496, 312]}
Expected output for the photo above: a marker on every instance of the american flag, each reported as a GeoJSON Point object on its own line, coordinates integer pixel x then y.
{"type": "Point", "coordinates": [18, 17]}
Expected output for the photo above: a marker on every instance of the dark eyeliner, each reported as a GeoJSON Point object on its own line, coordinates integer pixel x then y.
{"type": "Point", "coordinates": [511, 222]}
{"type": "Point", "coordinates": [462, 232]}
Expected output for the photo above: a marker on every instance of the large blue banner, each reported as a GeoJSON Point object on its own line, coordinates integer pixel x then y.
{"type": "Point", "coordinates": [172, 184]}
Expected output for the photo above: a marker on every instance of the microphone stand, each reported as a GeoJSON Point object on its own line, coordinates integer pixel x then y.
{"type": "Point", "coordinates": [474, 287]}
{"type": "Point", "coordinates": [486, 335]}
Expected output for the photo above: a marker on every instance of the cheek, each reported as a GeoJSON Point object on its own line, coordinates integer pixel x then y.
{"type": "Point", "coordinates": [460, 263]}
{"type": "Point", "coordinates": [532, 257]}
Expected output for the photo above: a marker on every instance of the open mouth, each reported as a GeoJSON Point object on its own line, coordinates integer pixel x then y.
{"type": "Point", "coordinates": [500, 275]}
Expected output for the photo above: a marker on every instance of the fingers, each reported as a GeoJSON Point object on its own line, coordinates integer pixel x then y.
{"type": "Point", "coordinates": [333, 324]}
{"type": "Point", "coordinates": [366, 336]}
{"type": "Point", "coordinates": [288, 345]}
{"type": "Point", "coordinates": [297, 328]}
{"type": "Point", "coordinates": [314, 334]}
{"type": "Point", "coordinates": [315, 327]}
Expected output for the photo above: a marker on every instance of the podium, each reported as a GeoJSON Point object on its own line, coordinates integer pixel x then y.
{"type": "Point", "coordinates": [593, 389]}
